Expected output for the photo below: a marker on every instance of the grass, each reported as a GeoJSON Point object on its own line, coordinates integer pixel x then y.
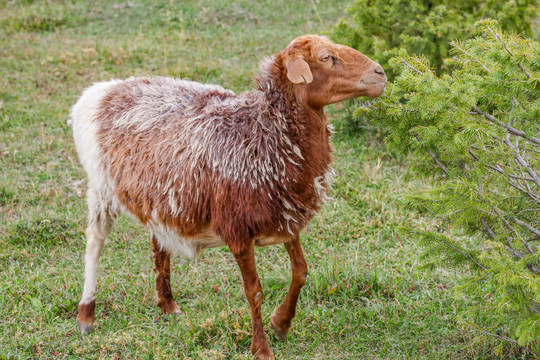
{"type": "Point", "coordinates": [367, 295]}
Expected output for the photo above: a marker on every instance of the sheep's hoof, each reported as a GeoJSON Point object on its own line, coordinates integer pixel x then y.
{"type": "Point", "coordinates": [281, 335]}
{"type": "Point", "coordinates": [170, 307]}
{"type": "Point", "coordinates": [268, 356]}
{"type": "Point", "coordinates": [262, 353]}
{"type": "Point", "coordinates": [85, 329]}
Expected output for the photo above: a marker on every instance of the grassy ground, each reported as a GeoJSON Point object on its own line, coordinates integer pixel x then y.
{"type": "Point", "coordinates": [367, 296]}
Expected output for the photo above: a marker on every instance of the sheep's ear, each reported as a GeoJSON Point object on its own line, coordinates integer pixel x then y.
{"type": "Point", "coordinates": [298, 71]}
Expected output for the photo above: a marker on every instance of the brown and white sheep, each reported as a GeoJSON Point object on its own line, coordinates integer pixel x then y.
{"type": "Point", "coordinates": [200, 166]}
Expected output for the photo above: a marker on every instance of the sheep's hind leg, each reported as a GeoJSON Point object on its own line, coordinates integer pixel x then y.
{"type": "Point", "coordinates": [282, 317]}
{"type": "Point", "coordinates": [100, 221]}
{"type": "Point", "coordinates": [246, 261]}
{"type": "Point", "coordinates": [162, 261]}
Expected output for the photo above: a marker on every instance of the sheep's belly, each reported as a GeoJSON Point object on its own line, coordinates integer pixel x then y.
{"type": "Point", "coordinates": [188, 246]}
{"type": "Point", "coordinates": [271, 240]}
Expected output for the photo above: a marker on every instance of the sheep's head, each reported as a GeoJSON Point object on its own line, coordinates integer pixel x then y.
{"type": "Point", "coordinates": [324, 73]}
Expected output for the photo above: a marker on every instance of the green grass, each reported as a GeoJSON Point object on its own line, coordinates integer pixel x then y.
{"type": "Point", "coordinates": [367, 296]}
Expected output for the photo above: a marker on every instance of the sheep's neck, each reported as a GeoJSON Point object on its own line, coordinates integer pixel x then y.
{"type": "Point", "coordinates": [304, 121]}
{"type": "Point", "coordinates": [307, 126]}
{"type": "Point", "coordinates": [307, 130]}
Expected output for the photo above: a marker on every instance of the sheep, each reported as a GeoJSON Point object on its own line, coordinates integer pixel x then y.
{"type": "Point", "coordinates": [200, 166]}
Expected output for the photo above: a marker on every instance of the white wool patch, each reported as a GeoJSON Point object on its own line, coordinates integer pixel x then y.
{"type": "Point", "coordinates": [297, 152]}
{"type": "Point", "coordinates": [85, 128]}
{"type": "Point", "coordinates": [161, 99]}
{"type": "Point", "coordinates": [288, 218]}
{"type": "Point", "coordinates": [272, 240]}
{"type": "Point", "coordinates": [95, 241]}
{"type": "Point", "coordinates": [330, 128]}
{"type": "Point", "coordinates": [170, 240]}
{"type": "Point", "coordinates": [319, 182]}
{"type": "Point", "coordinates": [102, 207]}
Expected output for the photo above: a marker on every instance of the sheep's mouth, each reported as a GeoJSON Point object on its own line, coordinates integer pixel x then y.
{"type": "Point", "coordinates": [372, 86]}
{"type": "Point", "coordinates": [373, 89]}
{"type": "Point", "coordinates": [366, 83]}
{"type": "Point", "coordinates": [380, 84]}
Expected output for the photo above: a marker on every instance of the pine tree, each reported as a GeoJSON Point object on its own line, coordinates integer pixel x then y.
{"type": "Point", "coordinates": [476, 133]}
{"type": "Point", "coordinates": [381, 28]}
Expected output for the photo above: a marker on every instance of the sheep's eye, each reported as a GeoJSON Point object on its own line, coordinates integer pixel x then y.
{"type": "Point", "coordinates": [330, 57]}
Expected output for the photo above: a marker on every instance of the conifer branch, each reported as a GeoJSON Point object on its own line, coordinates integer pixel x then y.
{"type": "Point", "coordinates": [502, 337]}
{"type": "Point", "coordinates": [505, 222]}
{"type": "Point", "coordinates": [505, 338]}
{"type": "Point", "coordinates": [487, 15]}
{"type": "Point", "coordinates": [488, 228]}
{"type": "Point", "coordinates": [528, 226]}
{"type": "Point", "coordinates": [443, 240]}
{"type": "Point", "coordinates": [475, 59]}
{"type": "Point", "coordinates": [433, 156]}
{"type": "Point", "coordinates": [522, 162]}
{"type": "Point", "coordinates": [473, 154]}
{"type": "Point", "coordinates": [534, 269]}
{"type": "Point", "coordinates": [403, 61]}
{"type": "Point", "coordinates": [469, 256]}
{"type": "Point", "coordinates": [511, 228]}
{"type": "Point", "coordinates": [492, 234]}
{"type": "Point", "coordinates": [510, 129]}
{"type": "Point", "coordinates": [520, 177]}
{"type": "Point", "coordinates": [435, 214]}
{"type": "Point", "coordinates": [499, 37]}
{"type": "Point", "coordinates": [530, 194]}
{"type": "Point", "coordinates": [520, 256]}
{"type": "Point", "coordinates": [498, 169]}
{"type": "Point", "coordinates": [525, 210]}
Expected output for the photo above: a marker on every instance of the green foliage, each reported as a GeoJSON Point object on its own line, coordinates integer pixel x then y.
{"type": "Point", "coordinates": [381, 28]}
{"type": "Point", "coordinates": [476, 134]}
{"type": "Point", "coordinates": [384, 29]}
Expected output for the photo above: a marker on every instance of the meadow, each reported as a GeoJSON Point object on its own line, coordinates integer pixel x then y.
{"type": "Point", "coordinates": [368, 295]}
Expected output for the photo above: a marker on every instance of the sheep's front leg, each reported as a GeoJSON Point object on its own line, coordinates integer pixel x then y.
{"type": "Point", "coordinates": [282, 317]}
{"type": "Point", "coordinates": [162, 260]}
{"type": "Point", "coordinates": [252, 286]}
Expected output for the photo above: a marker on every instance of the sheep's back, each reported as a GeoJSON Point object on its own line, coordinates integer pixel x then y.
{"type": "Point", "coordinates": [154, 146]}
